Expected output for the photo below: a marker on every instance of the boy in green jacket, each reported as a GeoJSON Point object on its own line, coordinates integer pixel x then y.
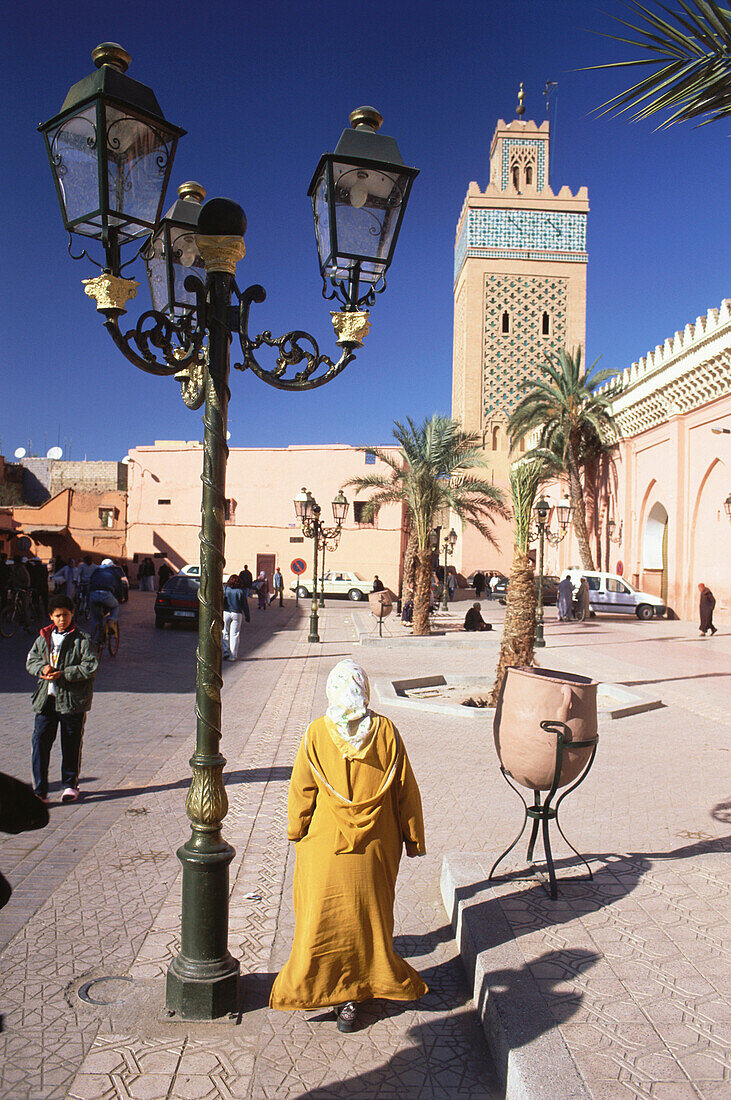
{"type": "Point", "coordinates": [65, 662]}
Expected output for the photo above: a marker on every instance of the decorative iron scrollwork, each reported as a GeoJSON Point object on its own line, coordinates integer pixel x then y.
{"type": "Point", "coordinates": [291, 353]}
{"type": "Point", "coordinates": [179, 340]}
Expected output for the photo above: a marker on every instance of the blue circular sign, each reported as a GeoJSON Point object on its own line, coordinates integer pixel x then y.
{"type": "Point", "coordinates": [298, 566]}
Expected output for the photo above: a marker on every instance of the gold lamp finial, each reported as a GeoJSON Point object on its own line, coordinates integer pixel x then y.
{"type": "Point", "coordinates": [520, 109]}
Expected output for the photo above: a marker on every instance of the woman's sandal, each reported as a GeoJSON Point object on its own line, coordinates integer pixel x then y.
{"type": "Point", "coordinates": [347, 1016]}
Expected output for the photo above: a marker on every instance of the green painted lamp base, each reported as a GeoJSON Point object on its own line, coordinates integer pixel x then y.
{"type": "Point", "coordinates": [202, 992]}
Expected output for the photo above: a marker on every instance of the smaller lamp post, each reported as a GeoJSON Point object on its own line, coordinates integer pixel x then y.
{"type": "Point", "coordinates": [308, 511]}
{"type": "Point", "coordinates": [727, 506]}
{"type": "Point", "coordinates": [450, 541]}
{"type": "Point", "coordinates": [542, 508]}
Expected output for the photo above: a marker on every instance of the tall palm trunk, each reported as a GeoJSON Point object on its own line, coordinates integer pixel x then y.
{"type": "Point", "coordinates": [422, 591]}
{"type": "Point", "coordinates": [408, 579]}
{"type": "Point", "coordinates": [519, 630]}
{"type": "Point", "coordinates": [577, 499]}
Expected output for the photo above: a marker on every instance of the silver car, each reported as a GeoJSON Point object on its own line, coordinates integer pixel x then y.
{"type": "Point", "coordinates": [610, 592]}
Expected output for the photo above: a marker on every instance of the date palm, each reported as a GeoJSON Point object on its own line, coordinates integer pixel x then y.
{"type": "Point", "coordinates": [565, 406]}
{"type": "Point", "coordinates": [432, 474]}
{"type": "Point", "coordinates": [692, 59]}
{"type": "Point", "coordinates": [517, 643]}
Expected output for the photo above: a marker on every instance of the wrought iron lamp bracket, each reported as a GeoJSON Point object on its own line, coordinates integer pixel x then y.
{"type": "Point", "coordinates": [329, 537]}
{"type": "Point", "coordinates": [180, 341]}
{"type": "Point", "coordinates": [291, 353]}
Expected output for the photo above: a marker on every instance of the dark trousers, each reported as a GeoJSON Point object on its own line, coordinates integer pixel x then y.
{"type": "Point", "coordinates": [44, 734]}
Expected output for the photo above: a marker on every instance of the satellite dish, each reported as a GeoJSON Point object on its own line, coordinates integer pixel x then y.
{"type": "Point", "coordinates": [20, 452]}
{"type": "Point", "coordinates": [126, 460]}
{"type": "Point", "coordinates": [55, 452]}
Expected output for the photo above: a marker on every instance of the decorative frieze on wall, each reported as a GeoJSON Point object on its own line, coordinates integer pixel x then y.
{"type": "Point", "coordinates": [690, 369]}
{"type": "Point", "coordinates": [522, 234]}
{"type": "Point", "coordinates": [459, 357]}
{"type": "Point", "coordinates": [523, 305]}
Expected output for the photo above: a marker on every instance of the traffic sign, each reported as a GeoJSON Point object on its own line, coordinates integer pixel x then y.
{"type": "Point", "coordinates": [620, 568]}
{"type": "Point", "coordinates": [298, 566]}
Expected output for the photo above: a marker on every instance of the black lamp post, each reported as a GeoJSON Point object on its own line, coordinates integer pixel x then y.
{"type": "Point", "coordinates": [111, 152]}
{"type": "Point", "coordinates": [450, 541]}
{"type": "Point", "coordinates": [307, 511]}
{"type": "Point", "coordinates": [329, 537]}
{"type": "Point", "coordinates": [542, 508]}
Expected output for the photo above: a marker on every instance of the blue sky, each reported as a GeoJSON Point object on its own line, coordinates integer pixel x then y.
{"type": "Point", "coordinates": [263, 89]}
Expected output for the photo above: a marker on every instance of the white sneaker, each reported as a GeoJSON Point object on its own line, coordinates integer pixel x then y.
{"type": "Point", "coordinates": [71, 794]}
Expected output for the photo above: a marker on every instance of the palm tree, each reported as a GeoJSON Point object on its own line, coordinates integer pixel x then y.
{"type": "Point", "coordinates": [519, 628]}
{"type": "Point", "coordinates": [694, 58]}
{"type": "Point", "coordinates": [431, 477]}
{"type": "Point", "coordinates": [565, 405]}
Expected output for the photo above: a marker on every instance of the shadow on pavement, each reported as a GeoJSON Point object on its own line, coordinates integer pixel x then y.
{"type": "Point", "coordinates": [245, 775]}
{"type": "Point", "coordinates": [670, 679]}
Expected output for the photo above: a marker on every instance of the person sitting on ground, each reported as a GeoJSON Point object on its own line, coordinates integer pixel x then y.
{"type": "Point", "coordinates": [473, 620]}
{"type": "Point", "coordinates": [65, 662]}
{"type": "Point", "coordinates": [353, 805]}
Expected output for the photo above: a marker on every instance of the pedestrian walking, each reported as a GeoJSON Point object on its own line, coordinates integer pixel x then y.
{"type": "Point", "coordinates": [353, 805]}
{"type": "Point", "coordinates": [278, 584]}
{"type": "Point", "coordinates": [706, 604]}
{"type": "Point", "coordinates": [164, 574]}
{"type": "Point", "coordinates": [479, 582]}
{"type": "Point", "coordinates": [247, 581]}
{"type": "Point", "coordinates": [65, 579]}
{"type": "Point", "coordinates": [235, 608]}
{"type": "Point", "coordinates": [564, 599]}
{"type": "Point", "coordinates": [377, 584]}
{"type": "Point", "coordinates": [262, 591]}
{"type": "Point", "coordinates": [582, 610]}
{"type": "Point", "coordinates": [65, 662]}
{"type": "Point", "coordinates": [494, 582]}
{"type": "Point", "coordinates": [451, 584]}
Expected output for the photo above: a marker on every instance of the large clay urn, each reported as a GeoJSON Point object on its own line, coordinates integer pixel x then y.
{"type": "Point", "coordinates": [529, 696]}
{"type": "Point", "coordinates": [381, 603]}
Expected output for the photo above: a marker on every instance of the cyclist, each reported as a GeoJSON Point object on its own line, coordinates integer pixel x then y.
{"type": "Point", "coordinates": [86, 569]}
{"type": "Point", "coordinates": [102, 600]}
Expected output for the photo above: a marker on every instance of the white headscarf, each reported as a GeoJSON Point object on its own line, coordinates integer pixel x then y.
{"type": "Point", "coordinates": [348, 693]}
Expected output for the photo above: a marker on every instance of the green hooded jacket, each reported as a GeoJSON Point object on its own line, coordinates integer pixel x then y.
{"type": "Point", "coordinates": [78, 662]}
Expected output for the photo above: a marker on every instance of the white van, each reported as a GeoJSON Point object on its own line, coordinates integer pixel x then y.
{"type": "Point", "coordinates": [610, 592]}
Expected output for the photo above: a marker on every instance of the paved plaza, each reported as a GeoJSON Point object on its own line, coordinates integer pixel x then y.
{"type": "Point", "coordinates": [629, 973]}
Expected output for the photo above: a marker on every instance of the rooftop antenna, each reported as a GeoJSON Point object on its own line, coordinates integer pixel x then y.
{"type": "Point", "coordinates": [549, 91]}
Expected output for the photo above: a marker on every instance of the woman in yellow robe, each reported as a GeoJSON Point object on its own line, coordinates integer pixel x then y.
{"type": "Point", "coordinates": [353, 804]}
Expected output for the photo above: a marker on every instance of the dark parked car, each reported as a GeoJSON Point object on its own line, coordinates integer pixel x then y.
{"type": "Point", "coordinates": [177, 601]}
{"type": "Point", "coordinates": [550, 590]}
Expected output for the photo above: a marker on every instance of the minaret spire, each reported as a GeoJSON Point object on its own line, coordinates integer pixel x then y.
{"type": "Point", "coordinates": [520, 109]}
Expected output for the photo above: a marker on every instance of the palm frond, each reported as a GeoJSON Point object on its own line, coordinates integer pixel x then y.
{"type": "Point", "coordinates": [693, 79]}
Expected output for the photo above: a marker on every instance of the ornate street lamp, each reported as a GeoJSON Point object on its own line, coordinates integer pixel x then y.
{"type": "Point", "coordinates": [359, 195]}
{"type": "Point", "coordinates": [727, 505]}
{"type": "Point", "coordinates": [111, 152]}
{"type": "Point", "coordinates": [329, 537]}
{"type": "Point", "coordinates": [450, 541]}
{"type": "Point", "coordinates": [542, 509]}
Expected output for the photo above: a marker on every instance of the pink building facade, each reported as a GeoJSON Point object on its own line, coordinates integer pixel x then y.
{"type": "Point", "coordinates": [261, 528]}
{"type": "Point", "coordinates": [673, 471]}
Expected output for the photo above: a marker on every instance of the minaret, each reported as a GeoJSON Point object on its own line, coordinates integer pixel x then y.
{"type": "Point", "coordinates": [519, 278]}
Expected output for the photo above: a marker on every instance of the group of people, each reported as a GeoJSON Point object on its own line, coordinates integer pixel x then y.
{"type": "Point", "coordinates": [146, 575]}
{"type": "Point", "coordinates": [27, 575]}
{"type": "Point", "coordinates": [573, 605]}
{"type": "Point", "coordinates": [486, 582]}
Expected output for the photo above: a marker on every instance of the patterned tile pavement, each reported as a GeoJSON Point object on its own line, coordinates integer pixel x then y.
{"type": "Point", "coordinates": [634, 967]}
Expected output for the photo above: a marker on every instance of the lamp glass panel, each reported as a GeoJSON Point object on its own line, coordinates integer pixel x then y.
{"type": "Point", "coordinates": [73, 148]}
{"type": "Point", "coordinates": [340, 509]}
{"type": "Point", "coordinates": [321, 215]}
{"type": "Point", "coordinates": [156, 266]}
{"type": "Point", "coordinates": [187, 260]}
{"type": "Point", "coordinates": [368, 207]}
{"type": "Point", "coordinates": [138, 156]}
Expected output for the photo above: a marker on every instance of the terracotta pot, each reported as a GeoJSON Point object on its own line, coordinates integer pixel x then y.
{"type": "Point", "coordinates": [381, 603]}
{"type": "Point", "coordinates": [529, 696]}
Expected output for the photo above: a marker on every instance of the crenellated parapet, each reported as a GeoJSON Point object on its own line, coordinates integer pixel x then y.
{"type": "Point", "coordinates": [688, 370]}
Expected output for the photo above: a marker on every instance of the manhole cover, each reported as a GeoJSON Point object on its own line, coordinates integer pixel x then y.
{"type": "Point", "coordinates": [106, 991]}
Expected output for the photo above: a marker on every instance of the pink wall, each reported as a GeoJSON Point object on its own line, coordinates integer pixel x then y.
{"type": "Point", "coordinates": [261, 484]}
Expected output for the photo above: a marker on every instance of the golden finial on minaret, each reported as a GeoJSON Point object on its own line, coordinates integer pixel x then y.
{"type": "Point", "coordinates": [520, 109]}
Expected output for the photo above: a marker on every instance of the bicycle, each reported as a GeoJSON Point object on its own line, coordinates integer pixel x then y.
{"type": "Point", "coordinates": [110, 636]}
{"type": "Point", "coordinates": [81, 600]}
{"type": "Point", "coordinates": [17, 612]}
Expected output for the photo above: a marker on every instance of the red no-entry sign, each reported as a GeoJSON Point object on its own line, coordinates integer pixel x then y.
{"type": "Point", "coordinates": [298, 566]}
{"type": "Point", "coordinates": [620, 568]}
